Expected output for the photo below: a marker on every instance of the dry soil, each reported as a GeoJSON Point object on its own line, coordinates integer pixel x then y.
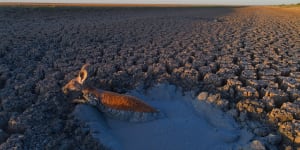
{"type": "Point", "coordinates": [249, 56]}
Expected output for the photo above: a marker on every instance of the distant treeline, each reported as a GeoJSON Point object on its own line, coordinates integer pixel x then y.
{"type": "Point", "coordinates": [298, 4]}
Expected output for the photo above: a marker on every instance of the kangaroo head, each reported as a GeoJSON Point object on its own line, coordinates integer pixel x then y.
{"type": "Point", "coordinates": [76, 84]}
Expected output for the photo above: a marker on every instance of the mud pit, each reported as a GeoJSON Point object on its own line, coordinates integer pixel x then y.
{"type": "Point", "coordinates": [187, 123]}
{"type": "Point", "coordinates": [247, 57]}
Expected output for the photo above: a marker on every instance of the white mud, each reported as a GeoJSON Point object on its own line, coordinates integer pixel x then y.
{"type": "Point", "coordinates": [188, 124]}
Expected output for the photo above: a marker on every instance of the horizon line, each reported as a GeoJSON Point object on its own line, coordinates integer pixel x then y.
{"type": "Point", "coordinates": [117, 4]}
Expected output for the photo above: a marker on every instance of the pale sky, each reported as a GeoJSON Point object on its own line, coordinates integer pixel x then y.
{"type": "Point", "coordinates": [222, 2]}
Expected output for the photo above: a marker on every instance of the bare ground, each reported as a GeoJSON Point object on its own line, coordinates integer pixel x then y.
{"type": "Point", "coordinates": [249, 55]}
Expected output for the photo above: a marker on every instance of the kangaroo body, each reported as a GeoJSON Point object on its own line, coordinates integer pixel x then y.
{"type": "Point", "coordinates": [114, 105]}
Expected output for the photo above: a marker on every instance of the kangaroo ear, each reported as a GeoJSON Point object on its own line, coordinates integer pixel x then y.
{"type": "Point", "coordinates": [83, 74]}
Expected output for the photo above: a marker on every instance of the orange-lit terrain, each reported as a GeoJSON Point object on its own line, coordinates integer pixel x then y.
{"type": "Point", "coordinates": [247, 58]}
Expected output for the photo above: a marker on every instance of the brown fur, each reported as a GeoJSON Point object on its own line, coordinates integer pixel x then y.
{"type": "Point", "coordinates": [76, 84]}
{"type": "Point", "coordinates": [107, 98]}
{"type": "Point", "coordinates": [120, 101]}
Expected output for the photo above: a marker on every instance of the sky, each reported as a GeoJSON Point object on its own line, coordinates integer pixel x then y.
{"type": "Point", "coordinates": [218, 2]}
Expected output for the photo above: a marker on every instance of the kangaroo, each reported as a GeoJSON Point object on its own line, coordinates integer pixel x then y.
{"type": "Point", "coordinates": [114, 105]}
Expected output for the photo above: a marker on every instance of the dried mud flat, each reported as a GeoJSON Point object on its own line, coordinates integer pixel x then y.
{"type": "Point", "coordinates": [247, 58]}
